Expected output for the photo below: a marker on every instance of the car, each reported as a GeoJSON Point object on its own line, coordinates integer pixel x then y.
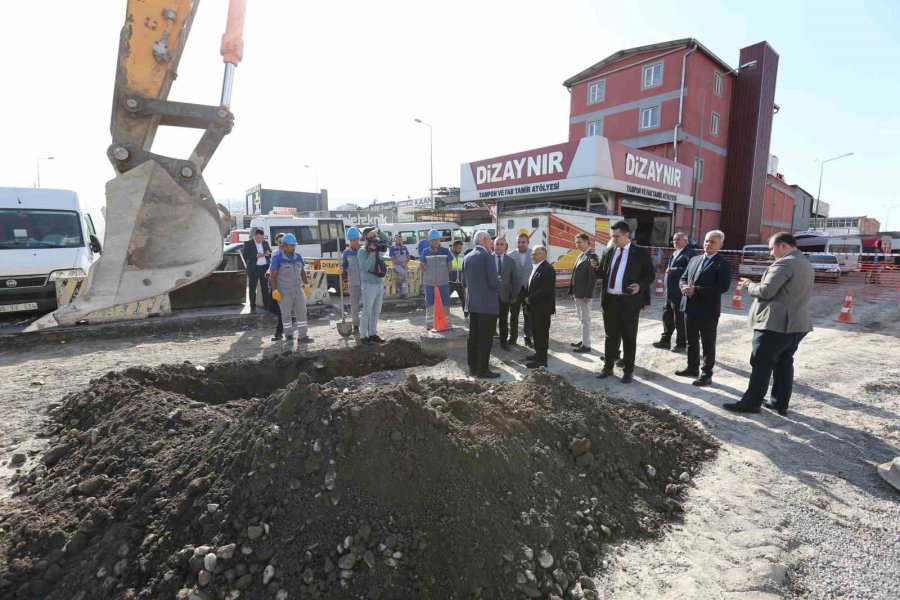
{"type": "Point", "coordinates": [826, 266]}
{"type": "Point", "coordinates": [755, 259]}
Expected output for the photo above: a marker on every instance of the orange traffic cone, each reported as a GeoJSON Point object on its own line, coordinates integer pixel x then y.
{"type": "Point", "coordinates": [846, 315]}
{"type": "Point", "coordinates": [659, 287]}
{"type": "Point", "coordinates": [737, 301]}
{"type": "Point", "coordinates": [440, 317]}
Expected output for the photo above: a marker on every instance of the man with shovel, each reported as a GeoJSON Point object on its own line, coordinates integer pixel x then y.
{"type": "Point", "coordinates": [350, 269]}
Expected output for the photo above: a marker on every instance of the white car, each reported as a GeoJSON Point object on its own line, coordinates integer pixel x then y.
{"type": "Point", "coordinates": [826, 266]}
{"type": "Point", "coordinates": [755, 259]}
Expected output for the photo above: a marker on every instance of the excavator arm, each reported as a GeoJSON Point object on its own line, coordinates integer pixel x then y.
{"type": "Point", "coordinates": [163, 228]}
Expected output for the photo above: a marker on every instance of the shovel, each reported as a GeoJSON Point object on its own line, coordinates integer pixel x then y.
{"type": "Point", "coordinates": [344, 328]}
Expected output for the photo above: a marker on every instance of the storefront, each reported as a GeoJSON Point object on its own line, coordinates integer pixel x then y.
{"type": "Point", "coordinates": [593, 173]}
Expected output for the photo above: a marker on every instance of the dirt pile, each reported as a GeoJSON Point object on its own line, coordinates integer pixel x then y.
{"type": "Point", "coordinates": [301, 477]}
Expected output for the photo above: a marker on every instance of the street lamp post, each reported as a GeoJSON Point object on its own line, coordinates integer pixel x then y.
{"type": "Point", "coordinates": [887, 215]}
{"type": "Point", "coordinates": [697, 159]}
{"type": "Point", "coordinates": [821, 170]}
{"type": "Point", "coordinates": [37, 163]}
{"type": "Point", "coordinates": [430, 159]}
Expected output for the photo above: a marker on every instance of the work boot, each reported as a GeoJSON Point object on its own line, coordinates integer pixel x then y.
{"type": "Point", "coordinates": [662, 344]}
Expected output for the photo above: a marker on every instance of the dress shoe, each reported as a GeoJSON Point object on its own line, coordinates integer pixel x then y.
{"type": "Point", "coordinates": [627, 378]}
{"type": "Point", "coordinates": [504, 346]}
{"type": "Point", "coordinates": [581, 349]}
{"type": "Point", "coordinates": [511, 342]}
{"type": "Point", "coordinates": [620, 362]}
{"type": "Point", "coordinates": [776, 407]}
{"type": "Point", "coordinates": [604, 373]}
{"type": "Point", "coordinates": [576, 344]}
{"type": "Point", "coordinates": [688, 373]}
{"type": "Point", "coordinates": [534, 364]}
{"type": "Point", "coordinates": [531, 357]}
{"type": "Point", "coordinates": [740, 407]}
{"type": "Point", "coordinates": [702, 381]}
{"type": "Point", "coordinates": [661, 345]}
{"type": "Point", "coordinates": [489, 375]}
{"type": "Point", "coordinates": [529, 343]}
{"type": "Point", "coordinates": [679, 348]}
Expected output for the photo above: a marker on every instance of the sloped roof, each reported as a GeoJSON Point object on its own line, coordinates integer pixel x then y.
{"type": "Point", "coordinates": [613, 58]}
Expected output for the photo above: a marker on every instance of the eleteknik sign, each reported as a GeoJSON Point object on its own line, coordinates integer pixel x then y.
{"type": "Point", "coordinates": [591, 162]}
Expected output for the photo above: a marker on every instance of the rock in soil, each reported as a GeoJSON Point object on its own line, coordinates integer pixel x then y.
{"type": "Point", "coordinates": [479, 495]}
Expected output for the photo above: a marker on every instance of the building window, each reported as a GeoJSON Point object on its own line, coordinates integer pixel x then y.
{"type": "Point", "coordinates": [652, 76]}
{"type": "Point", "coordinates": [714, 124]}
{"type": "Point", "coordinates": [597, 92]}
{"type": "Point", "coordinates": [698, 165]}
{"type": "Point", "coordinates": [717, 84]}
{"type": "Point", "coordinates": [595, 128]}
{"type": "Point", "coordinates": [650, 117]}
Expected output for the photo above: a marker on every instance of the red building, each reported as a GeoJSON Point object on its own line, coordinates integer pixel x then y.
{"type": "Point", "coordinates": [677, 101]}
{"type": "Point", "coordinates": [658, 98]}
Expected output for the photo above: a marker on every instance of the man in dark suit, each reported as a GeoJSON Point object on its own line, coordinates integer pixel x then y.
{"type": "Point", "coordinates": [479, 274]}
{"type": "Point", "coordinates": [626, 271]}
{"type": "Point", "coordinates": [706, 278]}
{"type": "Point", "coordinates": [673, 318]}
{"type": "Point", "coordinates": [256, 253]}
{"type": "Point", "coordinates": [581, 289]}
{"type": "Point", "coordinates": [509, 287]}
{"type": "Point", "coordinates": [540, 302]}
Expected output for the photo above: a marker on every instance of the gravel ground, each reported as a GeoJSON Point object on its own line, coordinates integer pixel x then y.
{"type": "Point", "coordinates": [792, 507]}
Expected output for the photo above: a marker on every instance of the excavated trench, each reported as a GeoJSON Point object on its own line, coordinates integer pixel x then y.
{"type": "Point", "coordinates": [319, 476]}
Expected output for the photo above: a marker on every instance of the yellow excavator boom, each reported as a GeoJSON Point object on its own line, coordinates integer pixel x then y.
{"type": "Point", "coordinates": [163, 228]}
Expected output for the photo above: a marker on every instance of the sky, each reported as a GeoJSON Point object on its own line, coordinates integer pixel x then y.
{"type": "Point", "coordinates": [337, 86]}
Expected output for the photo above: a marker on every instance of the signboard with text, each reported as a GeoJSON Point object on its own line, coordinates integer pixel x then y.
{"type": "Point", "coordinates": [591, 162]}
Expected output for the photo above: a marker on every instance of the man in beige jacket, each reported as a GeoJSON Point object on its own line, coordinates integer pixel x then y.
{"type": "Point", "coordinates": [780, 320]}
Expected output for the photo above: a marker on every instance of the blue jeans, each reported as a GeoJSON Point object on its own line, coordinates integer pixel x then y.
{"type": "Point", "coordinates": [370, 312]}
{"type": "Point", "coordinates": [772, 358]}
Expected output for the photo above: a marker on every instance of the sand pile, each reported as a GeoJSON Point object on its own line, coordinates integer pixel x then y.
{"type": "Point", "coordinates": [303, 477]}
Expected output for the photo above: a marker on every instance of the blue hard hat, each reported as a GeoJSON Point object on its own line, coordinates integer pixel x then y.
{"type": "Point", "coordinates": [289, 239]}
{"type": "Point", "coordinates": [353, 234]}
{"type": "Point", "coordinates": [434, 234]}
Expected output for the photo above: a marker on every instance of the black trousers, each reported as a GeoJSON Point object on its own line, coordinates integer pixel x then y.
{"type": "Point", "coordinates": [673, 322]}
{"type": "Point", "coordinates": [460, 290]}
{"type": "Point", "coordinates": [540, 330]}
{"type": "Point", "coordinates": [620, 320]}
{"type": "Point", "coordinates": [514, 309]}
{"type": "Point", "coordinates": [503, 322]}
{"type": "Point", "coordinates": [481, 338]}
{"type": "Point", "coordinates": [257, 274]}
{"type": "Point", "coordinates": [772, 358]}
{"type": "Point", "coordinates": [701, 329]}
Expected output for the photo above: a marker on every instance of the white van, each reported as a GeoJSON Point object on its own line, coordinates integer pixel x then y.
{"type": "Point", "coordinates": [412, 233]}
{"type": "Point", "coordinates": [316, 238]}
{"type": "Point", "coordinates": [45, 235]}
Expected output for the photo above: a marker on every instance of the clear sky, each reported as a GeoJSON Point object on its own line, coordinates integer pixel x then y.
{"type": "Point", "coordinates": [336, 85]}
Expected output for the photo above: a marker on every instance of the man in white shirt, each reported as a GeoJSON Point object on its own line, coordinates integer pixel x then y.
{"type": "Point", "coordinates": [256, 252]}
{"type": "Point", "coordinates": [625, 272]}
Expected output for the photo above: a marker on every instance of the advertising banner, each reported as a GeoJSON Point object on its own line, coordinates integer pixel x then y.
{"type": "Point", "coordinates": [591, 162]}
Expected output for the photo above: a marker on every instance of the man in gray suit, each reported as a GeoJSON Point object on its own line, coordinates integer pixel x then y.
{"type": "Point", "coordinates": [509, 286]}
{"type": "Point", "coordinates": [482, 283]}
{"type": "Point", "coordinates": [522, 257]}
{"type": "Point", "coordinates": [780, 320]}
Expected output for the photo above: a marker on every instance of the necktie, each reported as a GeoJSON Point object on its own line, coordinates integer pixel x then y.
{"type": "Point", "coordinates": [615, 269]}
{"type": "Point", "coordinates": [499, 268]}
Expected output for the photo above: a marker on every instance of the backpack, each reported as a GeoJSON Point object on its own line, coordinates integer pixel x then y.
{"type": "Point", "coordinates": [380, 268]}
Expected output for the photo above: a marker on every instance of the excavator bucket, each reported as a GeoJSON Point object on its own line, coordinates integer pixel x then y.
{"type": "Point", "coordinates": [159, 237]}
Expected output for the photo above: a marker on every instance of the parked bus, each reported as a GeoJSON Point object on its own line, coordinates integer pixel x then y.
{"type": "Point", "coordinates": [318, 238]}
